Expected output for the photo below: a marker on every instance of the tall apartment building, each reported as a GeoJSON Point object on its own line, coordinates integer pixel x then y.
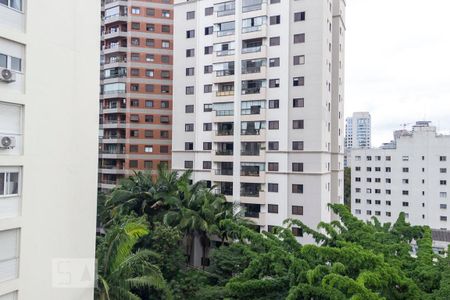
{"type": "Point", "coordinates": [358, 133]}
{"type": "Point", "coordinates": [136, 87]}
{"type": "Point", "coordinates": [410, 174]}
{"type": "Point", "coordinates": [48, 146]}
{"type": "Point", "coordinates": [259, 103]}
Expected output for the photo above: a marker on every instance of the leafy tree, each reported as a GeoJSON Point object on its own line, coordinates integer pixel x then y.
{"type": "Point", "coordinates": [121, 271]}
{"type": "Point", "coordinates": [348, 187]}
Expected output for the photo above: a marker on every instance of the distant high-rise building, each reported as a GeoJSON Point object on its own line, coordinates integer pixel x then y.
{"type": "Point", "coordinates": [358, 133]}
{"type": "Point", "coordinates": [259, 104]}
{"type": "Point", "coordinates": [410, 175]}
{"type": "Point", "coordinates": [136, 88]}
{"type": "Point", "coordinates": [49, 65]}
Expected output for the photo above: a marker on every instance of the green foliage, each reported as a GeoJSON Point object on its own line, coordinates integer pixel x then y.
{"type": "Point", "coordinates": [347, 187]}
{"type": "Point", "coordinates": [151, 224]}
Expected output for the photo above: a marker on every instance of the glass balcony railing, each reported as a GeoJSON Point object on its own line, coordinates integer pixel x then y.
{"type": "Point", "coordinates": [251, 29]}
{"type": "Point", "coordinates": [252, 214]}
{"type": "Point", "coordinates": [225, 132]}
{"type": "Point", "coordinates": [225, 93]}
{"type": "Point", "coordinates": [252, 90]}
{"type": "Point", "coordinates": [250, 171]}
{"type": "Point", "coordinates": [251, 70]}
{"type": "Point", "coordinates": [221, 73]}
{"type": "Point", "coordinates": [225, 32]}
{"type": "Point", "coordinates": [224, 152]}
{"type": "Point", "coordinates": [249, 193]}
{"type": "Point", "coordinates": [250, 131]}
{"type": "Point", "coordinates": [225, 172]}
{"type": "Point", "coordinates": [225, 52]}
{"type": "Point", "coordinates": [223, 113]}
{"type": "Point", "coordinates": [253, 49]}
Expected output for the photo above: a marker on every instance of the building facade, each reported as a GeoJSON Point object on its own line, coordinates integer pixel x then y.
{"type": "Point", "coordinates": [136, 88]}
{"type": "Point", "coordinates": [48, 151]}
{"type": "Point", "coordinates": [259, 104]}
{"type": "Point", "coordinates": [358, 133]}
{"type": "Point", "coordinates": [410, 175]}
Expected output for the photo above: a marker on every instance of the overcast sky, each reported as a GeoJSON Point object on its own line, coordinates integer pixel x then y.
{"type": "Point", "coordinates": [398, 63]}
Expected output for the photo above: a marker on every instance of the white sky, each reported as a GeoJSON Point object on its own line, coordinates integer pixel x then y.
{"type": "Point", "coordinates": [398, 63]}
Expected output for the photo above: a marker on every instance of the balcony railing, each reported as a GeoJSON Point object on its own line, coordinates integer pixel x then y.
{"type": "Point", "coordinates": [225, 191]}
{"type": "Point", "coordinates": [225, 172]}
{"type": "Point", "coordinates": [224, 73]}
{"type": "Point", "coordinates": [252, 214]}
{"type": "Point", "coordinates": [115, 16]}
{"type": "Point", "coordinates": [106, 181]}
{"type": "Point", "coordinates": [250, 172]}
{"type": "Point", "coordinates": [225, 93]}
{"type": "Point", "coordinates": [113, 137]}
{"type": "Point", "coordinates": [251, 111]}
{"type": "Point", "coordinates": [225, 32]}
{"type": "Point", "coordinates": [111, 167]}
{"type": "Point", "coordinates": [250, 131]}
{"type": "Point", "coordinates": [106, 121]}
{"type": "Point", "coordinates": [249, 193]}
{"type": "Point", "coordinates": [251, 29]}
{"type": "Point", "coordinates": [224, 152]}
{"type": "Point", "coordinates": [226, 12]}
{"type": "Point", "coordinates": [253, 90]}
{"type": "Point", "coordinates": [225, 132]}
{"type": "Point", "coordinates": [251, 49]}
{"type": "Point", "coordinates": [112, 151]}
{"type": "Point", "coordinates": [223, 113]}
{"type": "Point", "coordinates": [251, 70]}
{"type": "Point", "coordinates": [250, 152]}
{"type": "Point", "coordinates": [225, 52]}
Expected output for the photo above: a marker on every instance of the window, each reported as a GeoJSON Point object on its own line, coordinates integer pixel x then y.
{"type": "Point", "coordinates": [135, 41]}
{"type": "Point", "coordinates": [165, 44]}
{"type": "Point", "coordinates": [297, 145]}
{"type": "Point", "coordinates": [208, 69]}
{"type": "Point", "coordinates": [206, 165]}
{"type": "Point", "coordinates": [274, 83]}
{"type": "Point", "coordinates": [208, 50]}
{"type": "Point", "coordinates": [133, 164]}
{"type": "Point", "coordinates": [443, 170]}
{"type": "Point", "coordinates": [164, 134]}
{"type": "Point", "coordinates": [443, 182]}
{"type": "Point", "coordinates": [190, 34]}
{"type": "Point", "coordinates": [209, 30]}
{"type": "Point", "coordinates": [297, 210]}
{"type": "Point", "coordinates": [165, 59]}
{"type": "Point", "coordinates": [298, 102]}
{"type": "Point", "coordinates": [298, 124]}
{"type": "Point", "coordinates": [405, 193]}
{"type": "Point", "coordinates": [274, 62]}
{"type": "Point", "coordinates": [190, 90]}
{"type": "Point", "coordinates": [299, 38]}
{"type": "Point", "coordinates": [3, 61]}
{"type": "Point", "coordinates": [188, 164]}
{"type": "Point", "coordinates": [297, 167]}
{"type": "Point", "coordinates": [299, 16]}
{"type": "Point", "coordinates": [207, 126]}
{"type": "Point", "coordinates": [189, 71]}
{"type": "Point", "coordinates": [273, 125]}
{"type": "Point", "coordinates": [298, 81]}
{"type": "Point", "coordinates": [148, 133]}
{"type": "Point", "coordinates": [165, 14]}
{"type": "Point", "coordinates": [209, 11]}
{"type": "Point", "coordinates": [135, 10]}
{"type": "Point", "coordinates": [165, 74]}
{"type": "Point", "coordinates": [357, 211]}
{"type": "Point", "coordinates": [405, 170]}
{"type": "Point", "coordinates": [150, 27]}
{"type": "Point", "coordinates": [134, 103]}
{"type": "Point", "coordinates": [207, 107]}
{"type": "Point", "coordinates": [275, 20]}
{"type": "Point", "coordinates": [148, 149]}
{"type": "Point", "coordinates": [190, 52]}
{"type": "Point", "coordinates": [16, 64]}
{"type": "Point", "coordinates": [273, 146]}
{"type": "Point", "coordinates": [189, 109]}
{"type": "Point", "coordinates": [149, 88]}
{"type": "Point", "coordinates": [274, 104]}
{"type": "Point", "coordinates": [207, 88]}
{"type": "Point", "coordinates": [299, 60]}
{"type": "Point", "coordinates": [442, 158]}
{"type": "Point", "coordinates": [207, 145]}
{"type": "Point", "coordinates": [148, 103]}
{"type": "Point", "coordinates": [9, 256]}
{"type": "Point", "coordinates": [444, 218]}
{"type": "Point", "coordinates": [15, 4]}
{"type": "Point", "coordinates": [134, 148]}
{"type": "Point", "coordinates": [272, 208]}
{"type": "Point", "coordinates": [443, 194]}
{"type": "Point", "coordinates": [297, 188]}
{"type": "Point", "coordinates": [190, 15]}
{"type": "Point", "coordinates": [274, 1]}
{"type": "Point", "coordinates": [296, 231]}
{"type": "Point", "coordinates": [443, 206]}
{"type": "Point", "coordinates": [134, 118]}
{"type": "Point", "coordinates": [189, 127]}
{"type": "Point", "coordinates": [150, 42]}
{"type": "Point", "coordinates": [150, 12]}
{"type": "Point", "coordinates": [150, 57]}
{"type": "Point", "coordinates": [273, 166]}
{"type": "Point", "coordinates": [9, 183]}
{"type": "Point", "coordinates": [165, 28]}
{"type": "Point", "coordinates": [149, 73]}
{"type": "Point", "coordinates": [388, 169]}
{"type": "Point", "coordinates": [272, 187]}
{"type": "Point", "coordinates": [164, 104]}
{"type": "Point", "coordinates": [148, 164]}
{"type": "Point", "coordinates": [274, 41]}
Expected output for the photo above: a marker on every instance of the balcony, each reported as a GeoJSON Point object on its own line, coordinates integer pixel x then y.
{"type": "Point", "coordinates": [251, 70]}
{"type": "Point", "coordinates": [222, 73]}
{"type": "Point", "coordinates": [250, 131]}
{"type": "Point", "coordinates": [114, 33]}
{"type": "Point", "coordinates": [249, 193]}
{"type": "Point", "coordinates": [252, 49]}
{"type": "Point", "coordinates": [225, 32]}
{"type": "Point", "coordinates": [252, 90]}
{"type": "Point", "coordinates": [225, 132]}
{"type": "Point", "coordinates": [112, 151]}
{"type": "Point", "coordinates": [225, 93]}
{"type": "Point", "coordinates": [250, 171]}
{"type": "Point", "coordinates": [224, 172]}
{"type": "Point", "coordinates": [252, 214]}
{"type": "Point", "coordinates": [252, 28]}
{"type": "Point", "coordinates": [224, 152]}
{"type": "Point", "coordinates": [120, 17]}
{"type": "Point", "coordinates": [227, 52]}
{"type": "Point", "coordinates": [224, 113]}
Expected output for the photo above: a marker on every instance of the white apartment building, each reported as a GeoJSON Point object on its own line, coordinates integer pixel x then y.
{"type": "Point", "coordinates": [410, 174]}
{"type": "Point", "coordinates": [358, 133]}
{"type": "Point", "coordinates": [48, 146]}
{"type": "Point", "coordinates": [258, 104]}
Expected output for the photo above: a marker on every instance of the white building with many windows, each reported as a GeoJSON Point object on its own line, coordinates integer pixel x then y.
{"type": "Point", "coordinates": [358, 133]}
{"type": "Point", "coordinates": [258, 103]}
{"type": "Point", "coordinates": [48, 148]}
{"type": "Point", "coordinates": [410, 174]}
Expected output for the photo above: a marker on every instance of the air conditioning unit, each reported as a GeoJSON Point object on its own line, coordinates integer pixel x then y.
{"type": "Point", "coordinates": [6, 75]}
{"type": "Point", "coordinates": [7, 142]}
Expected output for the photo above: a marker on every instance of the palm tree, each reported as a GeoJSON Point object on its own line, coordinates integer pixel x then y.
{"type": "Point", "coordinates": [123, 272]}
